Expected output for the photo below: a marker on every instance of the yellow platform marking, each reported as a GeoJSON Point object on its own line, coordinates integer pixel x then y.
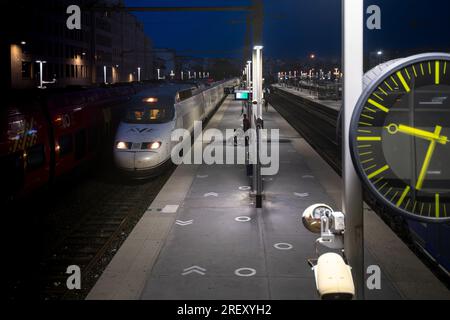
{"type": "Point", "coordinates": [364, 146]}
{"type": "Point", "coordinates": [365, 124]}
{"type": "Point", "coordinates": [403, 81]}
{"type": "Point", "coordinates": [437, 74]}
{"type": "Point", "coordinates": [371, 110]}
{"type": "Point", "coordinates": [375, 173]}
{"type": "Point", "coordinates": [445, 67]}
{"type": "Point", "coordinates": [365, 153]}
{"type": "Point", "coordinates": [429, 67]}
{"type": "Point", "coordinates": [364, 131]}
{"type": "Point", "coordinates": [415, 72]}
{"type": "Point", "coordinates": [371, 167]}
{"type": "Point", "coordinates": [437, 205]}
{"type": "Point", "coordinates": [368, 138]}
{"type": "Point", "coordinates": [421, 208]}
{"type": "Point", "coordinates": [379, 106]}
{"type": "Point", "coordinates": [421, 68]}
{"type": "Point", "coordinates": [403, 196]}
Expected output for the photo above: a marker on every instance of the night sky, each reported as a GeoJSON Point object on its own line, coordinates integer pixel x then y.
{"type": "Point", "coordinates": [295, 28]}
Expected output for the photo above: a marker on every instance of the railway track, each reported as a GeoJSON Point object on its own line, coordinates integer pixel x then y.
{"type": "Point", "coordinates": [105, 220]}
{"type": "Point", "coordinates": [316, 123]}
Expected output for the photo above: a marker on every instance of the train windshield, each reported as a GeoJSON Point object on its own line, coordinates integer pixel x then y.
{"type": "Point", "coordinates": [148, 115]}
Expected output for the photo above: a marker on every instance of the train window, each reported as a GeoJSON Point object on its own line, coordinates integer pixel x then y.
{"type": "Point", "coordinates": [186, 94]}
{"type": "Point", "coordinates": [148, 115]}
{"type": "Point", "coordinates": [65, 144]}
{"type": "Point", "coordinates": [35, 157]}
{"type": "Point", "coordinates": [80, 144]}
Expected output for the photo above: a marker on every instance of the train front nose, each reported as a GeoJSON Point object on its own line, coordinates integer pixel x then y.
{"type": "Point", "coordinates": [137, 159]}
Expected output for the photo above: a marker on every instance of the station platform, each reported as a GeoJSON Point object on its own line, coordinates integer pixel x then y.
{"type": "Point", "coordinates": [306, 94]}
{"type": "Point", "coordinates": [203, 238]}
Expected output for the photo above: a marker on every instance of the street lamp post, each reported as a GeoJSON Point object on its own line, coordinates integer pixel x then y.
{"type": "Point", "coordinates": [257, 119]}
{"type": "Point", "coordinates": [139, 74]}
{"type": "Point", "coordinates": [41, 77]}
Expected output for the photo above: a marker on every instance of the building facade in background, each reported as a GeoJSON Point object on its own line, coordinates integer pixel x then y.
{"type": "Point", "coordinates": [110, 47]}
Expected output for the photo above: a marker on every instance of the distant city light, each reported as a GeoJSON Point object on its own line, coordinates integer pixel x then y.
{"type": "Point", "coordinates": [312, 56]}
{"type": "Point", "coordinates": [23, 42]}
{"type": "Point", "coordinates": [379, 53]}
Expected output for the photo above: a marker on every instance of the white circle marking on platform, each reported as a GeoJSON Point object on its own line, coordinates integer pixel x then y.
{"type": "Point", "coordinates": [245, 272]}
{"type": "Point", "coordinates": [243, 219]}
{"type": "Point", "coordinates": [283, 246]}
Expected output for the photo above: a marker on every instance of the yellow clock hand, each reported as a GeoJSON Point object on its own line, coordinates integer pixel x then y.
{"type": "Point", "coordinates": [393, 129]}
{"type": "Point", "coordinates": [426, 162]}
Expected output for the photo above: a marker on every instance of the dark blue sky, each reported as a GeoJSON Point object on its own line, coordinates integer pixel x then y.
{"type": "Point", "coordinates": [294, 28]}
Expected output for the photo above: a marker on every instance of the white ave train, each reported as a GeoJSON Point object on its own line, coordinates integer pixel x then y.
{"type": "Point", "coordinates": [143, 139]}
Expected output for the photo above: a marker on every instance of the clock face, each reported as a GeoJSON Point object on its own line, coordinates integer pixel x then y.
{"type": "Point", "coordinates": [400, 137]}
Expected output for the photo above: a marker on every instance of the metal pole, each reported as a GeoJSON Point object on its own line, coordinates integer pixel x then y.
{"type": "Point", "coordinates": [139, 74]}
{"type": "Point", "coordinates": [254, 107]}
{"type": "Point", "coordinates": [257, 88]}
{"type": "Point", "coordinates": [40, 74]}
{"type": "Point", "coordinates": [352, 63]}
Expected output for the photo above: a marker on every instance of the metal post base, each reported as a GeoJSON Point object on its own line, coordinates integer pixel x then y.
{"type": "Point", "coordinates": [258, 201]}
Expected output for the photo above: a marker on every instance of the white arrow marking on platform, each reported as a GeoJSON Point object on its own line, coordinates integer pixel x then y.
{"type": "Point", "coordinates": [301, 195]}
{"type": "Point", "coordinates": [202, 176]}
{"type": "Point", "coordinates": [244, 188]}
{"type": "Point", "coordinates": [308, 176]}
{"type": "Point", "coordinates": [184, 223]}
{"type": "Point", "coordinates": [196, 269]}
{"type": "Point", "coordinates": [211, 194]}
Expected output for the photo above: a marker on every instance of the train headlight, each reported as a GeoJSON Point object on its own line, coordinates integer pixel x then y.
{"type": "Point", "coordinates": [122, 145]}
{"type": "Point", "coordinates": [152, 145]}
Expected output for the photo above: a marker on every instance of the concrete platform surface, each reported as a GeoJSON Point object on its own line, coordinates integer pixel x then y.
{"type": "Point", "coordinates": [202, 238]}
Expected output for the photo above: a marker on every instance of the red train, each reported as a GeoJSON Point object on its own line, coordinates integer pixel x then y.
{"type": "Point", "coordinates": [47, 133]}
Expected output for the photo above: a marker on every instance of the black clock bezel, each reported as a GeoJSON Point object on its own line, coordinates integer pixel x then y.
{"type": "Point", "coordinates": [367, 92]}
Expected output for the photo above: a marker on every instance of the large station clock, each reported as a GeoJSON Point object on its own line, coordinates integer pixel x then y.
{"type": "Point", "coordinates": [400, 136]}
